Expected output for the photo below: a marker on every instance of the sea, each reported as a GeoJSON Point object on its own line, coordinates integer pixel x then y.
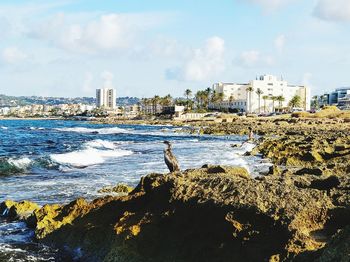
{"type": "Point", "coordinates": [57, 161]}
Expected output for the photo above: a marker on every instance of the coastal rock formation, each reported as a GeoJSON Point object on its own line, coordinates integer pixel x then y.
{"type": "Point", "coordinates": [17, 210]}
{"type": "Point", "coordinates": [118, 189]}
{"type": "Point", "coordinates": [214, 213]}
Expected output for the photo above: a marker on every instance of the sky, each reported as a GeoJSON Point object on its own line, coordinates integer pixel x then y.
{"type": "Point", "coordinates": [142, 48]}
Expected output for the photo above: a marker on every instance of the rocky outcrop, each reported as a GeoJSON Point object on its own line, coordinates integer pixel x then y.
{"type": "Point", "coordinates": [118, 189]}
{"type": "Point", "coordinates": [17, 210]}
{"type": "Point", "coordinates": [214, 213]}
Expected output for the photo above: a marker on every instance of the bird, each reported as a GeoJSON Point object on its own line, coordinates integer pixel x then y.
{"type": "Point", "coordinates": [170, 159]}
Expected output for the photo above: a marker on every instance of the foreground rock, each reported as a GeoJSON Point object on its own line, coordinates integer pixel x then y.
{"type": "Point", "coordinates": [17, 210]}
{"type": "Point", "coordinates": [210, 214]}
{"type": "Point", "coordinates": [118, 189]}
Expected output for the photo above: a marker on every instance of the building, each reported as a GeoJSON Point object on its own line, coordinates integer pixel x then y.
{"type": "Point", "coordinates": [106, 98]}
{"type": "Point", "coordinates": [337, 95]}
{"type": "Point", "coordinates": [238, 96]}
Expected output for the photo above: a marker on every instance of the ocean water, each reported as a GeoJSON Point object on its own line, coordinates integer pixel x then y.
{"type": "Point", "coordinates": [50, 161]}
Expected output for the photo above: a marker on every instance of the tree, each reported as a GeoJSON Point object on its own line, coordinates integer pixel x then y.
{"type": "Point", "coordinates": [155, 101]}
{"type": "Point", "coordinates": [166, 100]}
{"type": "Point", "coordinates": [280, 100]}
{"type": "Point", "coordinates": [265, 98]}
{"type": "Point", "coordinates": [314, 102]}
{"type": "Point", "coordinates": [199, 99]}
{"type": "Point", "coordinates": [207, 94]}
{"type": "Point", "coordinates": [259, 92]}
{"type": "Point", "coordinates": [273, 98]}
{"type": "Point", "coordinates": [250, 90]}
{"type": "Point", "coordinates": [188, 94]}
{"type": "Point", "coordinates": [295, 101]}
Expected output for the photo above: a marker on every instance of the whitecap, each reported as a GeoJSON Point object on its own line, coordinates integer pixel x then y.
{"type": "Point", "coordinates": [88, 157]}
{"type": "Point", "coordinates": [93, 153]}
{"type": "Point", "coordinates": [4, 127]}
{"type": "Point", "coordinates": [99, 143]}
{"type": "Point", "coordinates": [21, 163]}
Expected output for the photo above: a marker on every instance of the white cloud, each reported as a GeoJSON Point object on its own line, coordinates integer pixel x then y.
{"type": "Point", "coordinates": [280, 42]}
{"type": "Point", "coordinates": [333, 10]}
{"type": "Point", "coordinates": [107, 32]}
{"type": "Point", "coordinates": [203, 63]}
{"type": "Point", "coordinates": [254, 58]}
{"type": "Point", "coordinates": [13, 55]}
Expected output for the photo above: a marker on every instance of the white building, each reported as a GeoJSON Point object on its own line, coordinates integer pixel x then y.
{"type": "Point", "coordinates": [237, 95]}
{"type": "Point", "coordinates": [106, 98]}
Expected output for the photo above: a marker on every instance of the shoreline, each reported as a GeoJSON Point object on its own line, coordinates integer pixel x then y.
{"type": "Point", "coordinates": [32, 118]}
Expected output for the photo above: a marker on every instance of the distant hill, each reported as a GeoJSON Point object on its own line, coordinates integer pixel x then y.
{"type": "Point", "coordinates": [11, 101]}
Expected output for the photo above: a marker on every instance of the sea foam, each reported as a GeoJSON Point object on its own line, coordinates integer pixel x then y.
{"type": "Point", "coordinates": [21, 163]}
{"type": "Point", "coordinates": [93, 153]}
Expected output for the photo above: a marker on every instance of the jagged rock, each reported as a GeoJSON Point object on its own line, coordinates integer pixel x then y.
{"type": "Point", "coordinates": [197, 215]}
{"type": "Point", "coordinates": [118, 189]}
{"type": "Point", "coordinates": [51, 217]}
{"type": "Point", "coordinates": [17, 210]}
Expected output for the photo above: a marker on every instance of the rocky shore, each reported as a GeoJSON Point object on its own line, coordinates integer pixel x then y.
{"type": "Point", "coordinates": [300, 211]}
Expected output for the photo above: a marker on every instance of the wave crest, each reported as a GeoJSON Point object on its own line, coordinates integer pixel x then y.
{"type": "Point", "coordinates": [93, 153]}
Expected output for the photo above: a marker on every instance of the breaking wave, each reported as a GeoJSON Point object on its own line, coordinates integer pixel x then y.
{"type": "Point", "coordinates": [93, 153]}
{"type": "Point", "coordinates": [10, 166]}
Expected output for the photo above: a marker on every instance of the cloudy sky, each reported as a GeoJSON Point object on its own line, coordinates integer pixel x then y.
{"type": "Point", "coordinates": [142, 48]}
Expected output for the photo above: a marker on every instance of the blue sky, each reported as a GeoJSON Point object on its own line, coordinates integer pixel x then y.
{"type": "Point", "coordinates": [70, 47]}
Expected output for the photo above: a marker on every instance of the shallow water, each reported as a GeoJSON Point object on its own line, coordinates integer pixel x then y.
{"type": "Point", "coordinates": [58, 161]}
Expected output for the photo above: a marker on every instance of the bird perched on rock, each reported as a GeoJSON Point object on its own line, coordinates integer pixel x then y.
{"type": "Point", "coordinates": [170, 159]}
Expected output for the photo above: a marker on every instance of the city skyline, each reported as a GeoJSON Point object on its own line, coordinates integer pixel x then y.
{"type": "Point", "coordinates": [70, 48]}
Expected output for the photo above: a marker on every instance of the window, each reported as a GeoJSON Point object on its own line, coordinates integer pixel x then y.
{"type": "Point", "coordinates": [270, 84]}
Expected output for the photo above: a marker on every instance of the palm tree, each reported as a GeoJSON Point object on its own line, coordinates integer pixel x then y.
{"type": "Point", "coordinates": [155, 101]}
{"type": "Point", "coordinates": [295, 101]}
{"type": "Point", "coordinates": [280, 100]}
{"type": "Point", "coordinates": [250, 90]}
{"type": "Point", "coordinates": [265, 98]}
{"type": "Point", "coordinates": [188, 94]}
{"type": "Point", "coordinates": [259, 92]}
{"type": "Point", "coordinates": [199, 98]}
{"type": "Point", "coordinates": [166, 100]}
{"type": "Point", "coordinates": [273, 98]}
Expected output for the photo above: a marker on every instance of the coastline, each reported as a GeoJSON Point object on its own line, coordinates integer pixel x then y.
{"type": "Point", "coordinates": [33, 118]}
{"type": "Point", "coordinates": [298, 212]}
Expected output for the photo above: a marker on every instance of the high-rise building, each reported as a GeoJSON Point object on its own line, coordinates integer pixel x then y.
{"type": "Point", "coordinates": [106, 98]}
{"type": "Point", "coordinates": [250, 96]}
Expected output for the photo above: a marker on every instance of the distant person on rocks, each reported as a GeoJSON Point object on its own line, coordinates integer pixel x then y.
{"type": "Point", "coordinates": [251, 134]}
{"type": "Point", "coordinates": [170, 159]}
